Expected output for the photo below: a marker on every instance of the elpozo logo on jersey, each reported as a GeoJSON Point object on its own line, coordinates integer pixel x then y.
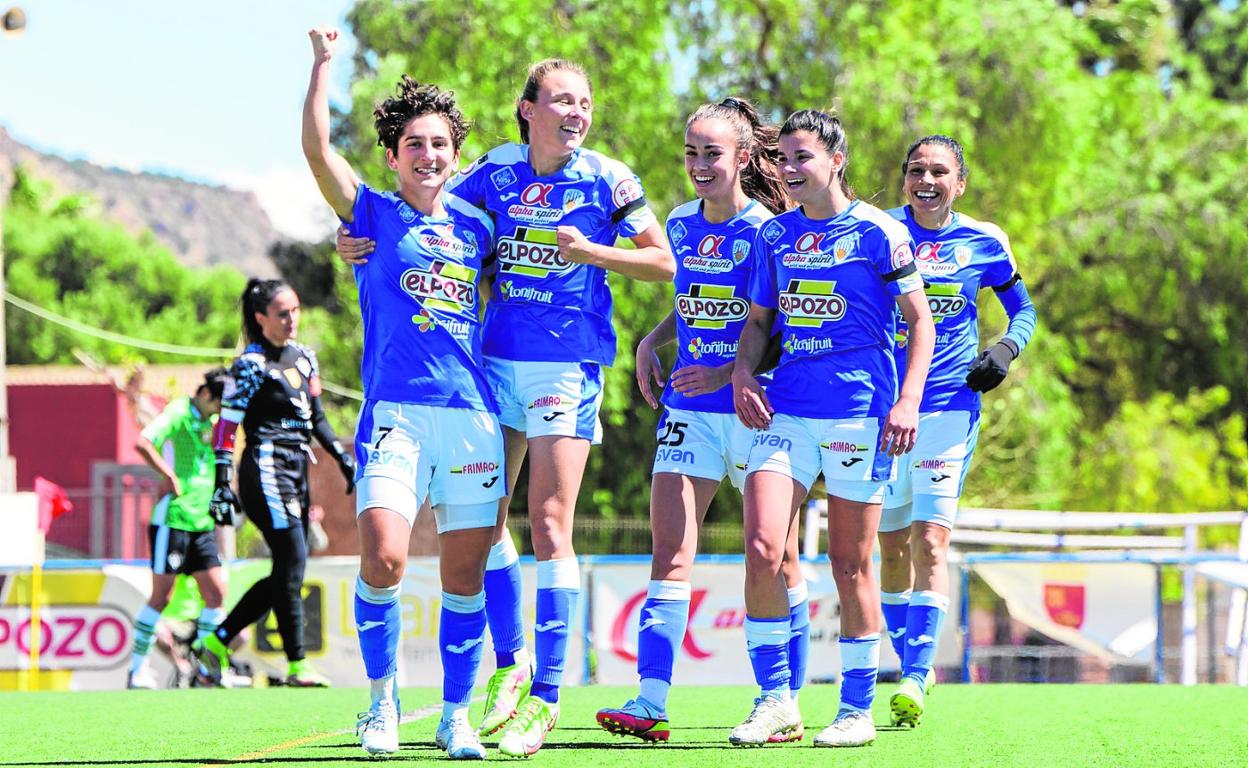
{"type": "Point", "coordinates": [711, 306]}
{"type": "Point", "coordinates": [535, 206]}
{"type": "Point", "coordinates": [811, 303]}
{"type": "Point", "coordinates": [707, 258]}
{"type": "Point", "coordinates": [444, 286]}
{"type": "Point", "coordinates": [532, 252]}
{"type": "Point", "coordinates": [945, 300]}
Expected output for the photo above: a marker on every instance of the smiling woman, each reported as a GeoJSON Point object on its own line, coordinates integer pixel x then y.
{"type": "Point", "coordinates": [428, 430]}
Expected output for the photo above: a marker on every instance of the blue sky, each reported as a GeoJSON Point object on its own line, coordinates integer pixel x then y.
{"type": "Point", "coordinates": [210, 92]}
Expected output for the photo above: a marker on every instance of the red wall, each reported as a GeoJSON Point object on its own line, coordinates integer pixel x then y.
{"type": "Point", "coordinates": [59, 431]}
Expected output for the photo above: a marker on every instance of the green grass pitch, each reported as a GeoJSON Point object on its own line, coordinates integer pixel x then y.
{"type": "Point", "coordinates": [983, 725]}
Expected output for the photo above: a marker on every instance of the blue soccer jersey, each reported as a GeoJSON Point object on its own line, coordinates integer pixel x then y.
{"type": "Point", "coordinates": [834, 282]}
{"type": "Point", "coordinates": [955, 263]}
{"type": "Point", "coordinates": [420, 302]}
{"type": "Point", "coordinates": [545, 308]}
{"type": "Point", "coordinates": [712, 297]}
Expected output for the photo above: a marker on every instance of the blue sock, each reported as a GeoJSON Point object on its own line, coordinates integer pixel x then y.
{"type": "Point", "coordinates": [923, 623]}
{"type": "Point", "coordinates": [461, 633]}
{"type": "Point", "coordinates": [799, 635]}
{"type": "Point", "coordinates": [558, 587]}
{"type": "Point", "coordinates": [767, 641]}
{"type": "Point", "coordinates": [502, 602]}
{"type": "Point", "coordinates": [895, 605]}
{"type": "Point", "coordinates": [663, 620]}
{"type": "Point", "coordinates": [377, 622]}
{"type": "Point", "coordinates": [860, 662]}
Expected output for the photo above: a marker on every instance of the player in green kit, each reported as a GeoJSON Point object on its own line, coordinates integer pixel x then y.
{"type": "Point", "coordinates": [177, 444]}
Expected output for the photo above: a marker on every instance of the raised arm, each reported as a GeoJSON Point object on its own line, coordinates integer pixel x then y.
{"type": "Point", "coordinates": [334, 176]}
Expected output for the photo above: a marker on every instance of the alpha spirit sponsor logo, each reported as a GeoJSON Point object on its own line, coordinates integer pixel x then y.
{"type": "Point", "coordinates": [532, 252]}
{"type": "Point", "coordinates": [811, 303]}
{"type": "Point", "coordinates": [709, 258]}
{"type": "Point", "coordinates": [444, 286]}
{"type": "Point", "coordinates": [441, 239]}
{"type": "Point", "coordinates": [931, 262]}
{"type": "Point", "coordinates": [534, 206]}
{"type": "Point", "coordinates": [711, 306]}
{"type": "Point", "coordinates": [813, 250]}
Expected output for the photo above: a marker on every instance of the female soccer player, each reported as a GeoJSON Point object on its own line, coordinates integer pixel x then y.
{"type": "Point", "coordinates": [274, 391]}
{"type": "Point", "coordinates": [559, 209]}
{"type": "Point", "coordinates": [833, 268]}
{"type": "Point", "coordinates": [956, 256]}
{"type": "Point", "coordinates": [428, 428]}
{"type": "Point", "coordinates": [728, 157]}
{"type": "Point", "coordinates": [177, 444]}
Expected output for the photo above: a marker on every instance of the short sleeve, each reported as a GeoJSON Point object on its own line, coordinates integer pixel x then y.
{"type": "Point", "coordinates": [892, 255]}
{"type": "Point", "coordinates": [158, 431]}
{"type": "Point", "coordinates": [630, 212]}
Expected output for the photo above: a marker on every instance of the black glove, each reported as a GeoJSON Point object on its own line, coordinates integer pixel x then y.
{"type": "Point", "coordinates": [346, 463]}
{"type": "Point", "coordinates": [224, 506]}
{"type": "Point", "coordinates": [992, 366]}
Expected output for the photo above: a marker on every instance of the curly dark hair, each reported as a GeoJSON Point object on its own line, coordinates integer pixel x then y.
{"type": "Point", "coordinates": [413, 100]}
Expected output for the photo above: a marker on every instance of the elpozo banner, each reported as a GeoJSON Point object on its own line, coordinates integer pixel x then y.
{"type": "Point", "coordinates": [87, 619]}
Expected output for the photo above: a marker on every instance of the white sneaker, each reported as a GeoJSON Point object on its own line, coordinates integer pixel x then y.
{"type": "Point", "coordinates": [851, 728]}
{"type": "Point", "coordinates": [142, 680]}
{"type": "Point", "coordinates": [459, 740]}
{"type": "Point", "coordinates": [772, 721]}
{"type": "Point", "coordinates": [378, 728]}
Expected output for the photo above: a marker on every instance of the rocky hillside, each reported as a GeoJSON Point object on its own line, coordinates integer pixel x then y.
{"type": "Point", "coordinates": [203, 225]}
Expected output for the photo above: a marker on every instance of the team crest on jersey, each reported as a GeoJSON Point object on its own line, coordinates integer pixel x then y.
{"type": "Point", "coordinates": [811, 303]}
{"type": "Point", "coordinates": [678, 232]}
{"type": "Point", "coordinates": [740, 251]}
{"type": "Point", "coordinates": [845, 246]}
{"type": "Point", "coordinates": [503, 178]}
{"type": "Point", "coordinates": [293, 378]}
{"type": "Point", "coordinates": [406, 214]}
{"type": "Point", "coordinates": [572, 198]}
{"type": "Point", "coordinates": [532, 252]}
{"type": "Point", "coordinates": [711, 306]}
{"type": "Point", "coordinates": [444, 286]}
{"type": "Point", "coordinates": [772, 232]}
{"type": "Point", "coordinates": [304, 366]}
{"type": "Point", "coordinates": [962, 255]}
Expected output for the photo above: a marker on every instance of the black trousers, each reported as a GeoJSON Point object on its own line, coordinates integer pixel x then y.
{"type": "Point", "coordinates": [273, 487]}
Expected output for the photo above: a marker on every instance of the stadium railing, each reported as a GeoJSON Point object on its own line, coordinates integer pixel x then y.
{"type": "Point", "coordinates": [1062, 537]}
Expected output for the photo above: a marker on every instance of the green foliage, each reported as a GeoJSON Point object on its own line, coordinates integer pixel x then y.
{"type": "Point", "coordinates": [1106, 138]}
{"type": "Point", "coordinates": [61, 255]}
